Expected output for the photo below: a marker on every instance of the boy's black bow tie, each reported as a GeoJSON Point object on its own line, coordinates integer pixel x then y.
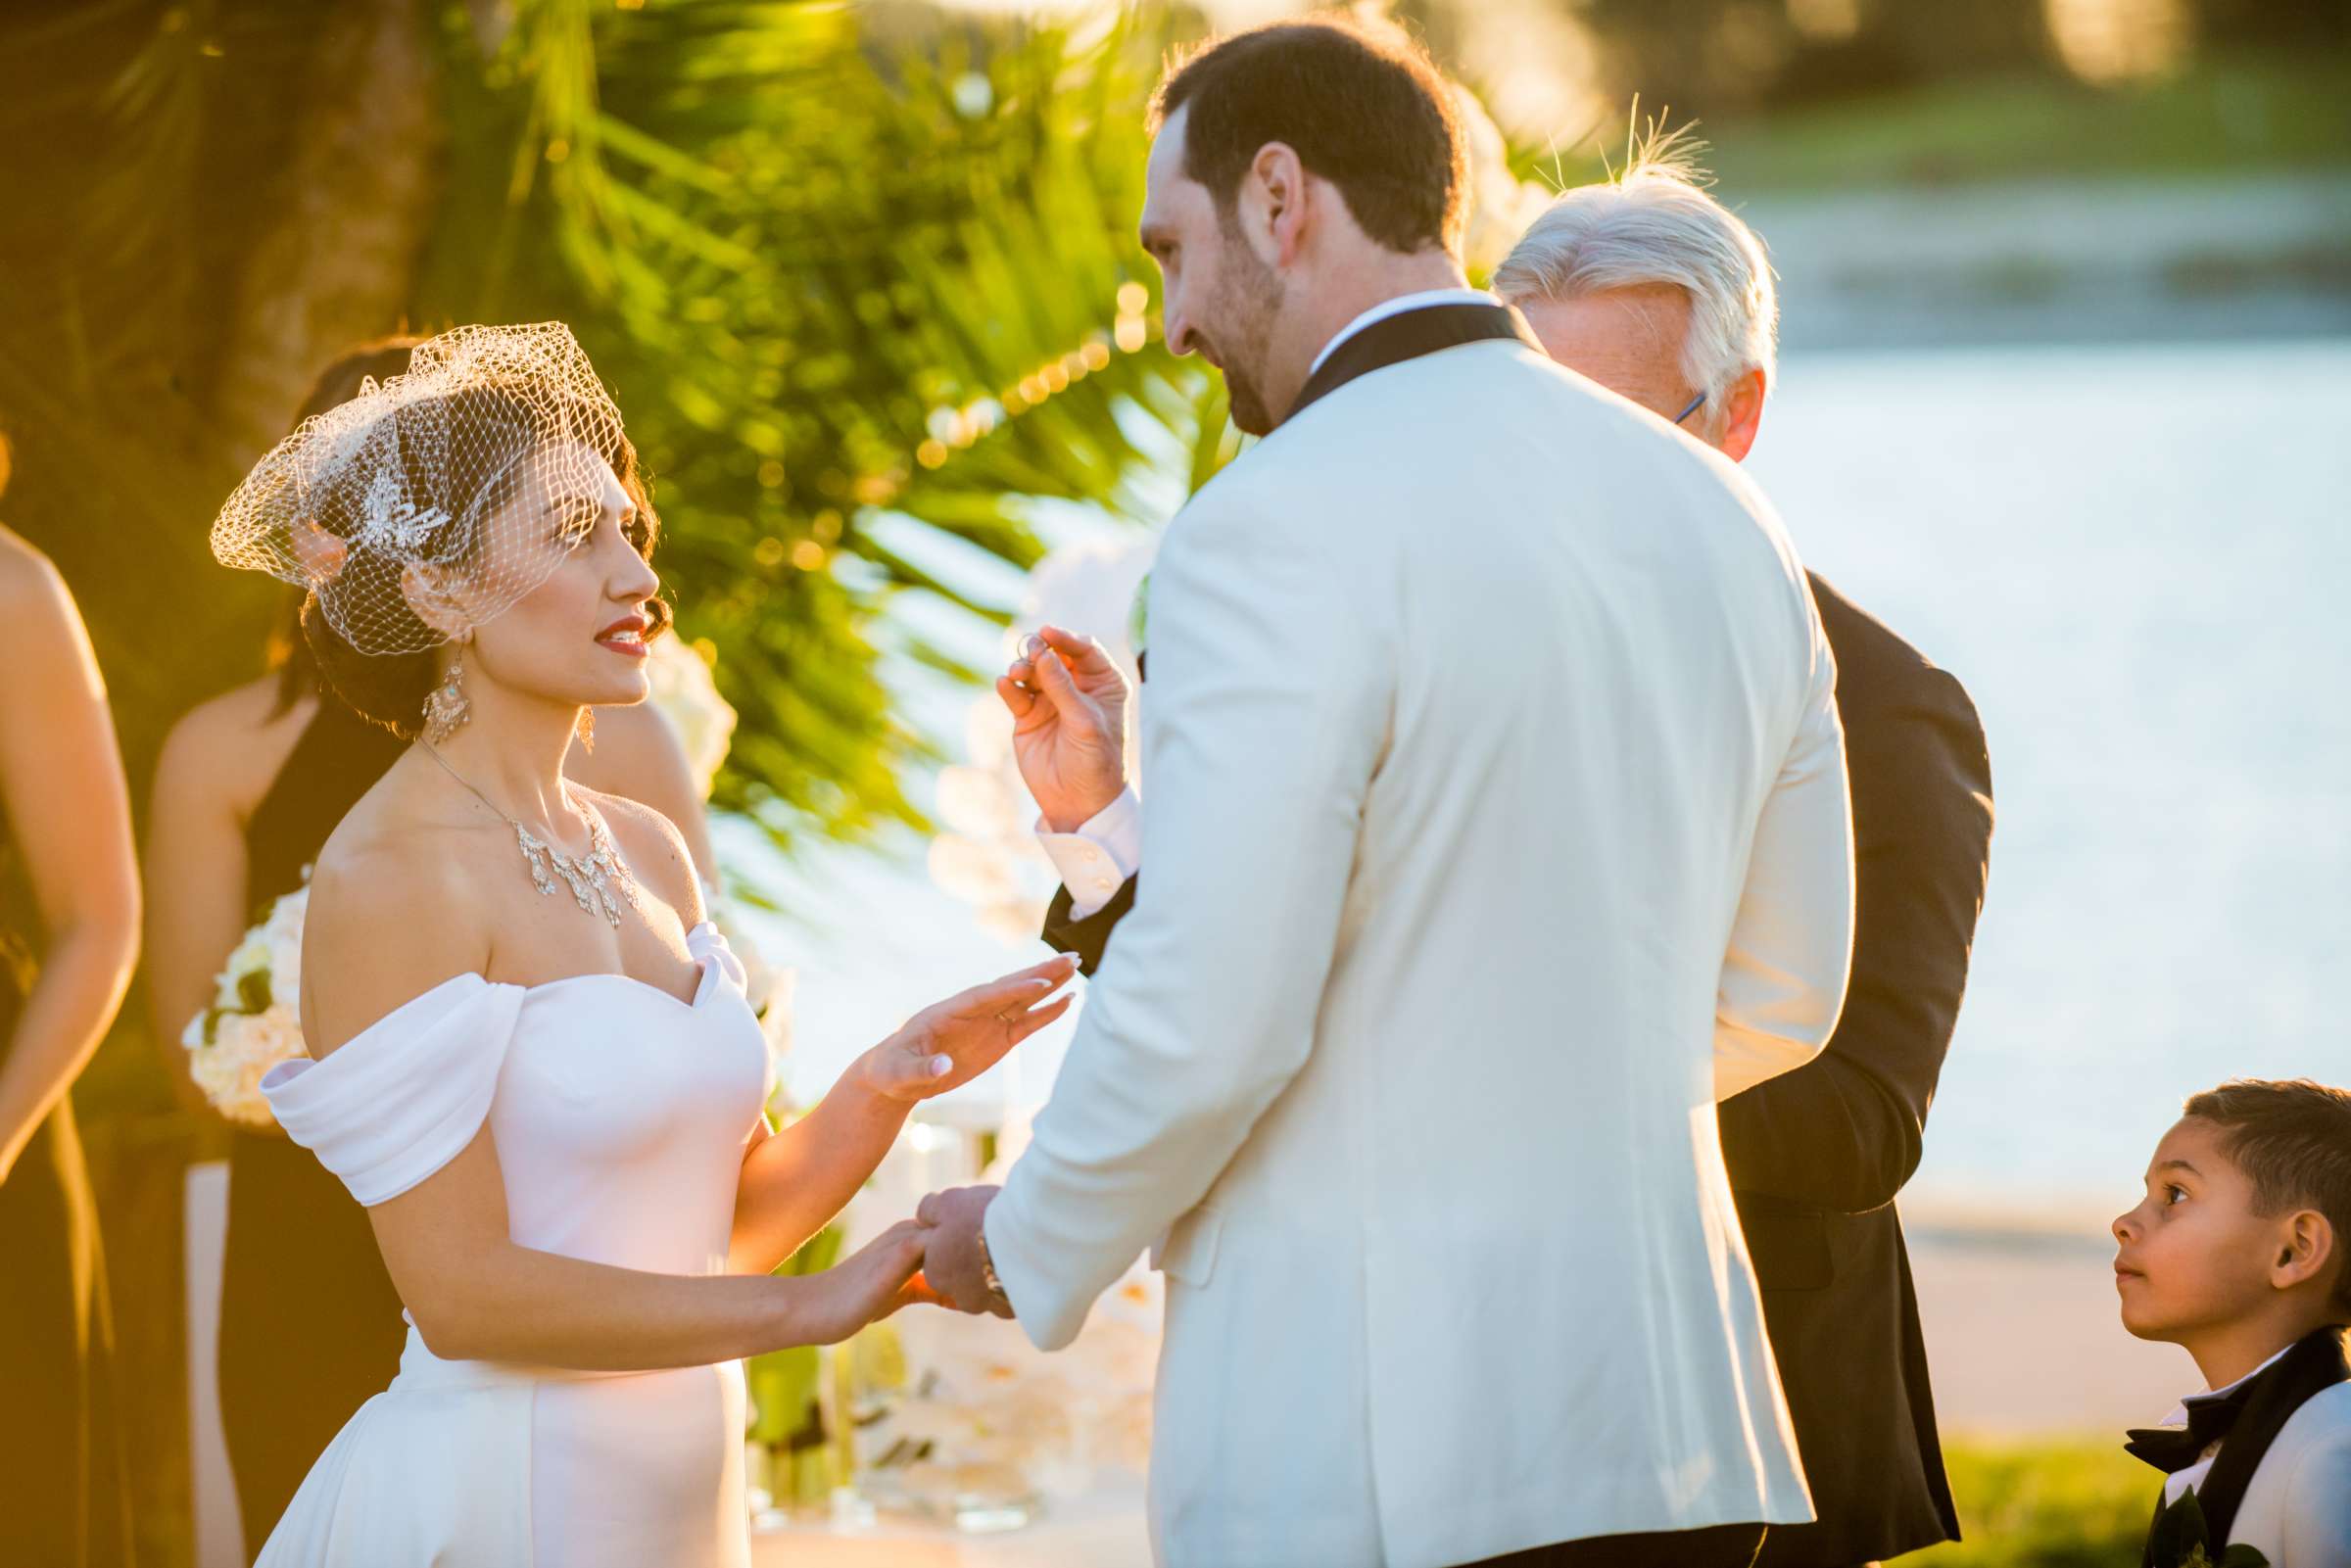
{"type": "Point", "coordinates": [2171, 1448]}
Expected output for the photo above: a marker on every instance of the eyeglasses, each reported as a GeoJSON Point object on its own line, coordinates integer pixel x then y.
{"type": "Point", "coordinates": [1695, 404]}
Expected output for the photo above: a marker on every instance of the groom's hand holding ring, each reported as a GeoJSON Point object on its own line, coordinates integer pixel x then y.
{"type": "Point", "coordinates": [956, 1260]}
{"type": "Point", "coordinates": [1068, 701]}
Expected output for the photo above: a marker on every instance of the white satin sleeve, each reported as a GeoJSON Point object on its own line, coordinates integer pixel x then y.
{"type": "Point", "coordinates": [403, 1096]}
{"type": "Point", "coordinates": [721, 964]}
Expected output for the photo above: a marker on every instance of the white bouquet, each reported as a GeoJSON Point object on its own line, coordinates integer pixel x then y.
{"type": "Point", "coordinates": [253, 1023]}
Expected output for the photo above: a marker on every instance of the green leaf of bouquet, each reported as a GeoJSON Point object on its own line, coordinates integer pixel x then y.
{"type": "Point", "coordinates": [253, 991]}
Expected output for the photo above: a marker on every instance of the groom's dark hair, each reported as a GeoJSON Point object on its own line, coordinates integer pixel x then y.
{"type": "Point", "coordinates": [1359, 101]}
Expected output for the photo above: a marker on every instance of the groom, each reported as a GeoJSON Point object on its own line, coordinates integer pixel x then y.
{"type": "Point", "coordinates": [1497, 830]}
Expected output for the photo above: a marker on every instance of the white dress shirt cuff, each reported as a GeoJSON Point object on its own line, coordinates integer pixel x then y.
{"type": "Point", "coordinates": [1097, 860]}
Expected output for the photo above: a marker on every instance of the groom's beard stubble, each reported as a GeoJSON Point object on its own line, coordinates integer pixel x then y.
{"type": "Point", "coordinates": [1247, 306]}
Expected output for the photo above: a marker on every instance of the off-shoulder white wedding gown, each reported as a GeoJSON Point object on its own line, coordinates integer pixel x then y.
{"type": "Point", "coordinates": [620, 1114]}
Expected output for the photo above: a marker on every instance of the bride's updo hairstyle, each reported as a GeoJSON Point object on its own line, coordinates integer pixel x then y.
{"type": "Point", "coordinates": [298, 672]}
{"type": "Point", "coordinates": [432, 501]}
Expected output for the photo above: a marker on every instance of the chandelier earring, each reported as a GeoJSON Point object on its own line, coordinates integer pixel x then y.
{"type": "Point", "coordinates": [586, 731]}
{"type": "Point", "coordinates": [445, 710]}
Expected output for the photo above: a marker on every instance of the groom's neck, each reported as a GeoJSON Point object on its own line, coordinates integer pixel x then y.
{"type": "Point", "coordinates": [1345, 290]}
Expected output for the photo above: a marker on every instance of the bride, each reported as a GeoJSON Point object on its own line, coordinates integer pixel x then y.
{"type": "Point", "coordinates": [530, 1055]}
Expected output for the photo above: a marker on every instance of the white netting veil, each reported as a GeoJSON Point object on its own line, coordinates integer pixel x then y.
{"type": "Point", "coordinates": [431, 501]}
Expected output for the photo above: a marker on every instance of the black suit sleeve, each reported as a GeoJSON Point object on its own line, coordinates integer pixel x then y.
{"type": "Point", "coordinates": [1843, 1132]}
{"type": "Point", "coordinates": [1090, 937]}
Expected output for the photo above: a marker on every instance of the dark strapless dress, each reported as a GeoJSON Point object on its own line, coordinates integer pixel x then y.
{"type": "Point", "coordinates": [310, 1324]}
{"type": "Point", "coordinates": [65, 1496]}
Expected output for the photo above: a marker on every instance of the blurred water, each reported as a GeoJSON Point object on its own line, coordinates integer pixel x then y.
{"type": "Point", "coordinates": [2134, 558]}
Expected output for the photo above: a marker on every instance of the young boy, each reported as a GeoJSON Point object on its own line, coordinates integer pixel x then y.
{"type": "Point", "coordinates": [2240, 1254]}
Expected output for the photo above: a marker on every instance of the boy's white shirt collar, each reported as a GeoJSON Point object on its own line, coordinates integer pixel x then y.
{"type": "Point", "coordinates": [2179, 1481]}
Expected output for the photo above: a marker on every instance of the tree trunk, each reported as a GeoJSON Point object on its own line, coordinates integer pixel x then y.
{"type": "Point", "coordinates": [336, 266]}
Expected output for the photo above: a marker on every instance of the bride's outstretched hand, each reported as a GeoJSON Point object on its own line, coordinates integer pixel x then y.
{"type": "Point", "coordinates": [870, 1284]}
{"type": "Point", "coordinates": [954, 1041]}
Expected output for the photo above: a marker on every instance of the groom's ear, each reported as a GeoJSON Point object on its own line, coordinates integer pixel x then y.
{"type": "Point", "coordinates": [1274, 204]}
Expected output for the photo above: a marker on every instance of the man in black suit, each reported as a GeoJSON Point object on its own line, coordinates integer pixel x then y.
{"type": "Point", "coordinates": [1649, 286]}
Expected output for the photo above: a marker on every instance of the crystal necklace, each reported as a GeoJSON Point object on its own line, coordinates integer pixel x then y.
{"type": "Point", "coordinates": [600, 881]}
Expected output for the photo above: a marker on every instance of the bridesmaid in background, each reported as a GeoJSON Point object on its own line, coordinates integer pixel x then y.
{"type": "Point", "coordinates": [249, 786]}
{"type": "Point", "coordinates": [64, 1493]}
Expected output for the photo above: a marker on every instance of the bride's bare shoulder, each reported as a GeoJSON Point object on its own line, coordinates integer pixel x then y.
{"type": "Point", "coordinates": [393, 912]}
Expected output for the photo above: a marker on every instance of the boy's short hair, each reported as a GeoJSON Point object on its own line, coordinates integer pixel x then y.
{"type": "Point", "coordinates": [2293, 1140]}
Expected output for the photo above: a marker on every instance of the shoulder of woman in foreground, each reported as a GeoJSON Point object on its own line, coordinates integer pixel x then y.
{"type": "Point", "coordinates": [23, 569]}
{"type": "Point", "coordinates": [32, 589]}
{"type": "Point", "coordinates": [392, 913]}
{"type": "Point", "coordinates": [55, 676]}
{"type": "Point", "coordinates": [655, 851]}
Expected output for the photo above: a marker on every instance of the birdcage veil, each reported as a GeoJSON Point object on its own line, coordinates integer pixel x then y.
{"type": "Point", "coordinates": [433, 501]}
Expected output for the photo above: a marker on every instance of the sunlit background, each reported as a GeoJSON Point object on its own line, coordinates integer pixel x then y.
{"type": "Point", "coordinates": [2067, 331]}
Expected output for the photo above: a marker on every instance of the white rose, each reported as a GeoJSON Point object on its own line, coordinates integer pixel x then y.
{"type": "Point", "coordinates": [244, 1048]}
{"type": "Point", "coordinates": [282, 933]}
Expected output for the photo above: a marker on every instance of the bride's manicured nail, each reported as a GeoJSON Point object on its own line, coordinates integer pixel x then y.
{"type": "Point", "coordinates": [941, 1065]}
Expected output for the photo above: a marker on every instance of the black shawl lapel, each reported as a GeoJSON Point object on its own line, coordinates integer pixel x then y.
{"type": "Point", "coordinates": [1407, 335]}
{"type": "Point", "coordinates": [1392, 340]}
{"type": "Point", "coordinates": [2316, 1363]}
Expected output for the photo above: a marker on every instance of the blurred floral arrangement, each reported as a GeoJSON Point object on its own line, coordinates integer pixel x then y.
{"type": "Point", "coordinates": [987, 1415]}
{"type": "Point", "coordinates": [941, 1415]}
{"type": "Point", "coordinates": [687, 693]}
{"type": "Point", "coordinates": [253, 1023]}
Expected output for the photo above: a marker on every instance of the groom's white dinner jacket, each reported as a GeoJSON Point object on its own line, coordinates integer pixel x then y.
{"type": "Point", "coordinates": [1496, 827]}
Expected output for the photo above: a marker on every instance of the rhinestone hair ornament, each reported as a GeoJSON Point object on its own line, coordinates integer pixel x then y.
{"type": "Point", "coordinates": [430, 502]}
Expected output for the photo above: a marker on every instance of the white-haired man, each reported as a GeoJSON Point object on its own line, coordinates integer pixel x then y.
{"type": "Point", "coordinates": [1650, 287]}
